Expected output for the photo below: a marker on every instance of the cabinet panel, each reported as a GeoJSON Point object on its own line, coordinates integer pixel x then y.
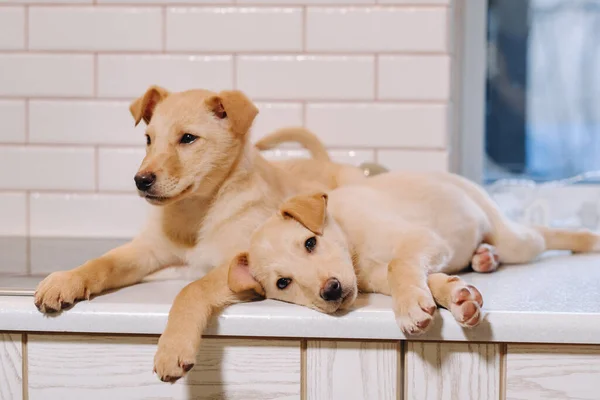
{"type": "Point", "coordinates": [103, 367]}
{"type": "Point", "coordinates": [552, 372]}
{"type": "Point", "coordinates": [351, 370]}
{"type": "Point", "coordinates": [11, 366]}
{"type": "Point", "coordinates": [449, 371]}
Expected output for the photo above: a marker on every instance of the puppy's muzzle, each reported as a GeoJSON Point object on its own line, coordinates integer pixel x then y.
{"type": "Point", "coordinates": [332, 290]}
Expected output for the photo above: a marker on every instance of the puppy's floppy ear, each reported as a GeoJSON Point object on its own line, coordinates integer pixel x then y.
{"type": "Point", "coordinates": [310, 210]}
{"type": "Point", "coordinates": [240, 279]}
{"type": "Point", "coordinates": [234, 106]}
{"type": "Point", "coordinates": [143, 107]}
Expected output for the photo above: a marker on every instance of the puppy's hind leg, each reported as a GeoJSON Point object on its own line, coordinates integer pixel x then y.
{"type": "Point", "coordinates": [485, 259]}
{"type": "Point", "coordinates": [462, 300]}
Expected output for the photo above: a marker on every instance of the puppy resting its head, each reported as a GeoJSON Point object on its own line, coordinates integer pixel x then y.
{"type": "Point", "coordinates": [300, 255]}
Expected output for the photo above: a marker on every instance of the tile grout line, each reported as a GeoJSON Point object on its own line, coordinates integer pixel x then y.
{"type": "Point", "coordinates": [253, 4]}
{"type": "Point", "coordinates": [333, 100]}
{"type": "Point", "coordinates": [204, 52]}
{"type": "Point", "coordinates": [347, 147]}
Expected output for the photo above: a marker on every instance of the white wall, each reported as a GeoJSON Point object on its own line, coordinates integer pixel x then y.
{"type": "Point", "coordinates": [371, 79]}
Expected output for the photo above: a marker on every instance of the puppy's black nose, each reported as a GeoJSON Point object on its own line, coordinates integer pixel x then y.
{"type": "Point", "coordinates": [144, 181]}
{"type": "Point", "coordinates": [332, 290]}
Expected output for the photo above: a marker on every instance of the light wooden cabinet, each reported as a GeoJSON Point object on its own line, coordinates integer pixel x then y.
{"type": "Point", "coordinates": [63, 366]}
{"type": "Point", "coordinates": [11, 366]}
{"type": "Point", "coordinates": [448, 371]}
{"type": "Point", "coordinates": [118, 367]}
{"type": "Point", "coordinates": [352, 370]}
{"type": "Point", "coordinates": [552, 372]}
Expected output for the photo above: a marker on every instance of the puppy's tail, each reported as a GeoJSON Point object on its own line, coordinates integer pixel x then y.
{"type": "Point", "coordinates": [301, 135]}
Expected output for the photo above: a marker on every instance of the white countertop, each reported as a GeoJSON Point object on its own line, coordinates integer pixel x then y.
{"type": "Point", "coordinates": [556, 300]}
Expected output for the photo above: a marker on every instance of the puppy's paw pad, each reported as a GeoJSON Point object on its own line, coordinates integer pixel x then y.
{"type": "Point", "coordinates": [466, 305]}
{"type": "Point", "coordinates": [485, 259]}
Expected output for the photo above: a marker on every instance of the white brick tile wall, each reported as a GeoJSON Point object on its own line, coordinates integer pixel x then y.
{"type": "Point", "coordinates": [285, 154]}
{"type": "Point", "coordinates": [53, 2]}
{"type": "Point", "coordinates": [414, 160]}
{"type": "Point", "coordinates": [370, 77]}
{"type": "Point", "coordinates": [83, 122]}
{"type": "Point", "coordinates": [273, 116]}
{"type": "Point", "coordinates": [382, 29]}
{"type": "Point", "coordinates": [169, 2]}
{"type": "Point", "coordinates": [117, 167]}
{"type": "Point", "coordinates": [95, 28]}
{"type": "Point", "coordinates": [130, 75]}
{"type": "Point", "coordinates": [308, 2]}
{"type": "Point", "coordinates": [307, 77]}
{"type": "Point", "coordinates": [86, 215]}
{"type": "Point", "coordinates": [56, 75]}
{"type": "Point", "coordinates": [379, 124]}
{"type": "Point", "coordinates": [12, 21]}
{"type": "Point", "coordinates": [234, 29]}
{"type": "Point", "coordinates": [13, 214]}
{"type": "Point", "coordinates": [51, 168]}
{"type": "Point", "coordinates": [423, 77]}
{"type": "Point", "coordinates": [413, 2]}
{"type": "Point", "coordinates": [12, 121]}
{"type": "Point", "coordinates": [352, 157]}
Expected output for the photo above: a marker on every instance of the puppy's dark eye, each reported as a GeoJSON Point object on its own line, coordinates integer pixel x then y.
{"type": "Point", "coordinates": [282, 283]}
{"type": "Point", "coordinates": [148, 141]}
{"type": "Point", "coordinates": [188, 138]}
{"type": "Point", "coordinates": [310, 244]}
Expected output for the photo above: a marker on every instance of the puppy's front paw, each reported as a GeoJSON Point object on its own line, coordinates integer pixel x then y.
{"type": "Point", "coordinates": [414, 311]}
{"type": "Point", "coordinates": [465, 306]}
{"type": "Point", "coordinates": [173, 359]}
{"type": "Point", "coordinates": [59, 291]}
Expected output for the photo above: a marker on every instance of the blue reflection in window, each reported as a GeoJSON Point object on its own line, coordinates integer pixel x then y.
{"type": "Point", "coordinates": [543, 89]}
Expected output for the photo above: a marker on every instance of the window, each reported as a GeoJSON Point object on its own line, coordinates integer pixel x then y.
{"type": "Point", "coordinates": [542, 101]}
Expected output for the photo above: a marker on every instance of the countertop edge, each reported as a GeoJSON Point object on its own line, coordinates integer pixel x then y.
{"type": "Point", "coordinates": [274, 319]}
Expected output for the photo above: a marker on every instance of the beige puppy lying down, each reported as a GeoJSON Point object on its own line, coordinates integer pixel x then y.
{"type": "Point", "coordinates": [212, 189]}
{"type": "Point", "coordinates": [400, 234]}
